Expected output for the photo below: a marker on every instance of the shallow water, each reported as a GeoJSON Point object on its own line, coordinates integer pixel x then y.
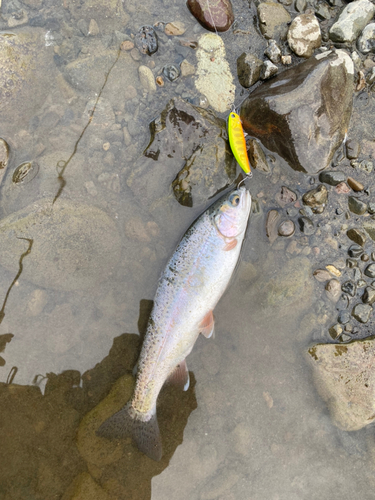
{"type": "Point", "coordinates": [251, 425]}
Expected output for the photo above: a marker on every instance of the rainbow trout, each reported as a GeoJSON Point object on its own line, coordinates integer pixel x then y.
{"type": "Point", "coordinates": [192, 283]}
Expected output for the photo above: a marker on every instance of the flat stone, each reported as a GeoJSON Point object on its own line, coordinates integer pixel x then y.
{"type": "Point", "coordinates": [366, 42]}
{"type": "Point", "coordinates": [355, 185]}
{"type": "Point", "coordinates": [368, 296]}
{"type": "Point", "coordinates": [357, 236]}
{"type": "Point", "coordinates": [356, 205]}
{"type": "Point", "coordinates": [147, 78]}
{"type": "Point", "coordinates": [212, 15]}
{"type": "Point", "coordinates": [304, 35]}
{"type": "Point", "coordinates": [352, 20]}
{"type": "Point", "coordinates": [370, 271]}
{"type": "Point", "coordinates": [175, 28]}
{"type": "Point", "coordinates": [287, 113]}
{"type": "Point", "coordinates": [332, 177]}
{"type": "Point", "coordinates": [344, 378]}
{"type": "Point", "coordinates": [273, 20]}
{"type": "Point", "coordinates": [248, 69]}
{"type": "Point", "coordinates": [361, 312]}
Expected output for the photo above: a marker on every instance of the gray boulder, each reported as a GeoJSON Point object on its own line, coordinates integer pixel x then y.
{"type": "Point", "coordinates": [352, 20]}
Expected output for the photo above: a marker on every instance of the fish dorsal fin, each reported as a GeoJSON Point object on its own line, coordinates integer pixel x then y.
{"type": "Point", "coordinates": [207, 325]}
{"type": "Point", "coordinates": [180, 376]}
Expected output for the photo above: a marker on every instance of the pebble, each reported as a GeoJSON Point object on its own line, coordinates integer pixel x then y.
{"type": "Point", "coordinates": [357, 236]}
{"type": "Point", "coordinates": [332, 177]}
{"type": "Point", "coordinates": [273, 52]}
{"type": "Point", "coordinates": [321, 275]}
{"type": "Point", "coordinates": [268, 70]}
{"type": "Point", "coordinates": [370, 271]}
{"type": "Point", "coordinates": [342, 188]}
{"type": "Point", "coordinates": [186, 68]}
{"type": "Point", "coordinates": [365, 257]}
{"type": "Point", "coordinates": [146, 40]}
{"type": "Point", "coordinates": [127, 45]}
{"type": "Point", "coordinates": [316, 198]}
{"type": "Point", "coordinates": [355, 251]}
{"type": "Point", "coordinates": [333, 290]}
{"type": "Point", "coordinates": [273, 20]}
{"type": "Point", "coordinates": [335, 331]}
{"type": "Point", "coordinates": [147, 78]}
{"type": "Point", "coordinates": [352, 20]}
{"type": "Point", "coordinates": [248, 69]}
{"type": "Point", "coordinates": [361, 283]}
{"type": "Point", "coordinates": [171, 72]}
{"type": "Point", "coordinates": [304, 34]}
{"type": "Point", "coordinates": [287, 228]}
{"type": "Point", "coordinates": [366, 42]}
{"type": "Point", "coordinates": [371, 208]}
{"type": "Point", "coordinates": [333, 270]}
{"type": "Point", "coordinates": [368, 296]}
{"type": "Point", "coordinates": [273, 218]}
{"type": "Point", "coordinates": [344, 317]}
{"type": "Point", "coordinates": [285, 196]}
{"type": "Point", "coordinates": [214, 15]}
{"type": "Point", "coordinates": [93, 28]}
{"type": "Point", "coordinates": [355, 185]}
{"type": "Point", "coordinates": [176, 28]}
{"type": "Point", "coordinates": [356, 205]}
{"type": "Point", "coordinates": [160, 81]}
{"type": "Point", "coordinates": [306, 225]}
{"type": "Point", "coordinates": [286, 60]}
{"type": "Point", "coordinates": [361, 312]}
{"type": "Point", "coordinates": [136, 55]}
{"type": "Point", "coordinates": [349, 287]}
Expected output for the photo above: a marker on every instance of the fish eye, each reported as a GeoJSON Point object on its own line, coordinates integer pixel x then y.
{"type": "Point", "coordinates": [233, 115]}
{"type": "Point", "coordinates": [234, 199]}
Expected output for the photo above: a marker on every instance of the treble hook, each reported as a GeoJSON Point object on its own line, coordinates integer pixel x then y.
{"type": "Point", "coordinates": [247, 176]}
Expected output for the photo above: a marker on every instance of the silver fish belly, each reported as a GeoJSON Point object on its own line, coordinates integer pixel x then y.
{"type": "Point", "coordinates": [192, 283]}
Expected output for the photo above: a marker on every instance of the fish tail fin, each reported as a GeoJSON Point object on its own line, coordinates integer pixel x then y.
{"type": "Point", "coordinates": [144, 430]}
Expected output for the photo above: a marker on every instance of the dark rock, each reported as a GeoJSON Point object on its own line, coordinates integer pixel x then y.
{"type": "Point", "coordinates": [257, 157]}
{"type": "Point", "coordinates": [356, 205]}
{"type": "Point", "coordinates": [343, 302]}
{"type": "Point", "coordinates": [368, 296]}
{"type": "Point", "coordinates": [287, 228]}
{"type": "Point", "coordinates": [357, 236]}
{"type": "Point", "coordinates": [355, 251]}
{"type": "Point", "coordinates": [303, 113]}
{"type": "Point", "coordinates": [171, 72]}
{"type": "Point", "coordinates": [361, 312]}
{"type": "Point", "coordinates": [344, 317]}
{"type": "Point", "coordinates": [316, 198]}
{"type": "Point", "coordinates": [351, 263]}
{"type": "Point", "coordinates": [370, 271]}
{"type": "Point", "coordinates": [349, 287]}
{"type": "Point", "coordinates": [273, 20]}
{"type": "Point", "coordinates": [306, 225]}
{"type": "Point", "coordinates": [332, 177]}
{"type": "Point", "coordinates": [285, 196]}
{"type": "Point", "coordinates": [212, 14]}
{"type": "Point", "coordinates": [146, 40]}
{"type": "Point", "coordinates": [248, 69]}
{"type": "Point", "coordinates": [352, 149]}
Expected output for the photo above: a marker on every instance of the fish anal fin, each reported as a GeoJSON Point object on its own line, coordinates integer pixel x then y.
{"type": "Point", "coordinates": [180, 376]}
{"type": "Point", "coordinates": [230, 245]}
{"type": "Point", "coordinates": [207, 325]}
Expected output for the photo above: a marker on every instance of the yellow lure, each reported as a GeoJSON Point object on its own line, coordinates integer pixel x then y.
{"type": "Point", "coordinates": [237, 142]}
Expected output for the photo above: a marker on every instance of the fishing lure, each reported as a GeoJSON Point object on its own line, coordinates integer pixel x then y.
{"type": "Point", "coordinates": [237, 142]}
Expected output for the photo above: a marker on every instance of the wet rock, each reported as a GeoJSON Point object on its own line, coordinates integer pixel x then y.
{"type": "Point", "coordinates": [171, 72]}
{"type": "Point", "coordinates": [370, 271]}
{"type": "Point", "coordinates": [285, 196]}
{"type": "Point", "coordinates": [248, 69]}
{"type": "Point", "coordinates": [273, 20]}
{"type": "Point", "coordinates": [304, 34]}
{"type": "Point", "coordinates": [146, 78]}
{"type": "Point", "coordinates": [316, 198]}
{"type": "Point", "coordinates": [344, 378]}
{"type": "Point", "coordinates": [273, 52]}
{"type": "Point", "coordinates": [146, 40]}
{"type": "Point", "coordinates": [305, 130]}
{"type": "Point", "coordinates": [349, 287]}
{"type": "Point", "coordinates": [187, 149]}
{"type": "Point", "coordinates": [352, 149]}
{"type": "Point", "coordinates": [287, 228]}
{"type": "Point", "coordinates": [352, 20]}
{"type": "Point", "coordinates": [332, 177]}
{"type": "Point", "coordinates": [333, 290]}
{"type": "Point", "coordinates": [344, 317]}
{"type": "Point", "coordinates": [369, 227]}
{"type": "Point", "coordinates": [366, 42]}
{"type": "Point", "coordinates": [257, 158]}
{"type": "Point", "coordinates": [272, 221]}
{"type": "Point", "coordinates": [355, 185]}
{"type": "Point", "coordinates": [176, 28]}
{"type": "Point", "coordinates": [211, 14]}
{"type": "Point", "coordinates": [342, 188]}
{"type": "Point", "coordinates": [186, 68]}
{"type": "Point", "coordinates": [356, 205]}
{"type": "Point", "coordinates": [214, 78]}
{"type": "Point", "coordinates": [75, 246]}
{"type": "Point", "coordinates": [361, 312]}
{"type": "Point", "coordinates": [355, 251]}
{"type": "Point", "coordinates": [268, 69]}
{"type": "Point", "coordinates": [306, 225]}
{"type": "Point", "coordinates": [357, 236]}
{"type": "Point", "coordinates": [335, 331]}
{"type": "Point", "coordinates": [368, 296]}
{"type": "Point", "coordinates": [322, 275]}
{"type": "Point", "coordinates": [333, 270]}
{"type": "Point", "coordinates": [4, 157]}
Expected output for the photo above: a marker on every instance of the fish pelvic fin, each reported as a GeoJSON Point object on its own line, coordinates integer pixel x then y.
{"type": "Point", "coordinates": [144, 430]}
{"type": "Point", "coordinates": [207, 325]}
{"type": "Point", "coordinates": [180, 376]}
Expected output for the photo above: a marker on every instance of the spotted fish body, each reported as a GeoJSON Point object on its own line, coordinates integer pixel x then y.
{"type": "Point", "coordinates": [237, 141]}
{"type": "Point", "coordinates": [192, 283]}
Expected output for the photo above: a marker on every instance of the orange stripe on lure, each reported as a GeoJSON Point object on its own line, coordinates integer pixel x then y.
{"type": "Point", "coordinates": [237, 142]}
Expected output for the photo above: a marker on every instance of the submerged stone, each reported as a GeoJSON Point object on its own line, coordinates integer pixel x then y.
{"type": "Point", "coordinates": [357, 236]}
{"type": "Point", "coordinates": [332, 177]}
{"type": "Point", "coordinates": [146, 40]}
{"type": "Point", "coordinates": [303, 113]}
{"type": "Point", "coordinates": [370, 271]}
{"type": "Point", "coordinates": [361, 312]}
{"type": "Point", "coordinates": [356, 205]}
{"type": "Point", "coordinates": [345, 379]}
{"type": "Point", "coordinates": [316, 198]}
{"type": "Point", "coordinates": [214, 15]}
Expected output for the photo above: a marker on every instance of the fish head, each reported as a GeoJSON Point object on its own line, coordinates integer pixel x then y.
{"type": "Point", "coordinates": [231, 213]}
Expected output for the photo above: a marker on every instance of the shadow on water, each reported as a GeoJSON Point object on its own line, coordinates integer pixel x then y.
{"type": "Point", "coordinates": [49, 448]}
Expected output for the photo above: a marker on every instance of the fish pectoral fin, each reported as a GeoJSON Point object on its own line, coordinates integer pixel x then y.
{"type": "Point", "coordinates": [230, 245]}
{"type": "Point", "coordinates": [207, 325]}
{"type": "Point", "coordinates": [180, 376]}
